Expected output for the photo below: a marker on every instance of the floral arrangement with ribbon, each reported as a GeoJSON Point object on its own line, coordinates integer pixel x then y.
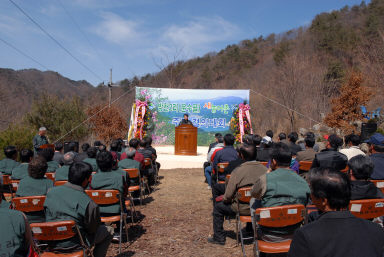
{"type": "Point", "coordinates": [241, 122]}
{"type": "Point", "coordinates": [144, 118]}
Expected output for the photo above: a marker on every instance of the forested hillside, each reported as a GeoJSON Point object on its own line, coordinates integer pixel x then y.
{"type": "Point", "coordinates": [302, 69]}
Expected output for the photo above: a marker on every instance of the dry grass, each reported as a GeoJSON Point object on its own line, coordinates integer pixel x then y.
{"type": "Point", "coordinates": [178, 221]}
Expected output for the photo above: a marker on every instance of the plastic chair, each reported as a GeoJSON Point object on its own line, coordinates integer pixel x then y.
{"type": "Point", "coordinates": [264, 163]}
{"type": "Point", "coordinates": [280, 216]}
{"type": "Point", "coordinates": [14, 184]}
{"type": "Point", "coordinates": [379, 184]}
{"type": "Point", "coordinates": [305, 166]}
{"type": "Point", "coordinates": [367, 209]}
{"type": "Point", "coordinates": [60, 183]}
{"type": "Point", "coordinates": [55, 231]}
{"type": "Point", "coordinates": [220, 169]}
{"type": "Point", "coordinates": [50, 175]}
{"type": "Point", "coordinates": [147, 164]}
{"type": "Point", "coordinates": [108, 197]}
{"type": "Point", "coordinates": [135, 174]}
{"type": "Point", "coordinates": [29, 203]}
{"type": "Point", "coordinates": [345, 170]}
{"type": "Point", "coordinates": [243, 196]}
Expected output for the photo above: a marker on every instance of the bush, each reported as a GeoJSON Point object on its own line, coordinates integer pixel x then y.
{"type": "Point", "coordinates": [19, 135]}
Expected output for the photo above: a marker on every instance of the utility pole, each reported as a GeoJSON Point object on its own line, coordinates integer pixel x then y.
{"type": "Point", "coordinates": [110, 89]}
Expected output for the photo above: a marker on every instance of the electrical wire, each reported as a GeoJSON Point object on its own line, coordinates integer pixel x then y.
{"type": "Point", "coordinates": [23, 53]}
{"type": "Point", "coordinates": [106, 106]}
{"type": "Point", "coordinates": [54, 40]}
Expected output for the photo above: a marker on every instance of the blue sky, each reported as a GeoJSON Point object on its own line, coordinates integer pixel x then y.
{"type": "Point", "coordinates": [135, 37]}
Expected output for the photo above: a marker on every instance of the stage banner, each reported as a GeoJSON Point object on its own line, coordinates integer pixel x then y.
{"type": "Point", "coordinates": [209, 110]}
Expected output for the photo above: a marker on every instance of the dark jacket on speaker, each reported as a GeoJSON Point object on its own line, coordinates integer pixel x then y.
{"type": "Point", "coordinates": [378, 160]}
{"type": "Point", "coordinates": [338, 234]}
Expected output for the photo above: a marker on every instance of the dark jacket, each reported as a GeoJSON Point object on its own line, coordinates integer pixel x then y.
{"type": "Point", "coordinates": [263, 154]}
{"type": "Point", "coordinates": [80, 157]}
{"type": "Point", "coordinates": [378, 160]}
{"type": "Point", "coordinates": [227, 154]}
{"type": "Point", "coordinates": [338, 234]}
{"type": "Point", "coordinates": [361, 189]}
{"type": "Point", "coordinates": [228, 170]}
{"type": "Point", "coordinates": [330, 158]}
{"type": "Point", "coordinates": [294, 148]}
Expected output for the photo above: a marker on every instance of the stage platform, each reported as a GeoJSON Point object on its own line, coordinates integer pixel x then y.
{"type": "Point", "coordinates": [168, 160]}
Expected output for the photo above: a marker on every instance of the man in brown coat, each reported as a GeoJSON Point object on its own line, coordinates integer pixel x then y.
{"type": "Point", "coordinates": [244, 175]}
{"type": "Point", "coordinates": [308, 154]}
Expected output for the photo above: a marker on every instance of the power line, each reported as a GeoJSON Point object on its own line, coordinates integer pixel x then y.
{"type": "Point", "coordinates": [22, 53]}
{"type": "Point", "coordinates": [82, 32]}
{"type": "Point", "coordinates": [286, 107]}
{"type": "Point", "coordinates": [54, 40]}
{"type": "Point", "coordinates": [102, 109]}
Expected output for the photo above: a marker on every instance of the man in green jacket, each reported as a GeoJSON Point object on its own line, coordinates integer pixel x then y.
{"type": "Point", "coordinates": [40, 139]}
{"type": "Point", "coordinates": [62, 172]}
{"type": "Point", "coordinates": [243, 176]}
{"type": "Point", "coordinates": [70, 202]}
{"type": "Point", "coordinates": [15, 236]}
{"type": "Point", "coordinates": [281, 186]}
{"type": "Point", "coordinates": [130, 163]}
{"type": "Point", "coordinates": [91, 159]}
{"type": "Point", "coordinates": [21, 171]}
{"type": "Point", "coordinates": [48, 154]}
{"type": "Point", "coordinates": [9, 162]}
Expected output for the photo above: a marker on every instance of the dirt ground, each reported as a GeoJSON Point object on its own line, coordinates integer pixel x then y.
{"type": "Point", "coordinates": [176, 221]}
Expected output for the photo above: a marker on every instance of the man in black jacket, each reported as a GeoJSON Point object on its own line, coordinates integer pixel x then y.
{"type": "Point", "coordinates": [360, 170]}
{"type": "Point", "coordinates": [330, 157]}
{"type": "Point", "coordinates": [336, 232]}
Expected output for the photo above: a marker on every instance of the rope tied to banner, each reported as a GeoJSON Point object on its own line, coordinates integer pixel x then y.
{"type": "Point", "coordinates": [140, 106]}
{"type": "Point", "coordinates": [244, 110]}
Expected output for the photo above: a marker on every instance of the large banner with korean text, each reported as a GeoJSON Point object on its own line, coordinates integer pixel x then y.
{"type": "Point", "coordinates": [209, 110]}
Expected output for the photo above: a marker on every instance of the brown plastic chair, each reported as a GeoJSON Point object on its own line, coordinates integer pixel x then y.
{"type": "Point", "coordinates": [305, 166]}
{"type": "Point", "coordinates": [280, 216]}
{"type": "Point", "coordinates": [60, 183]}
{"type": "Point", "coordinates": [29, 203]}
{"type": "Point", "coordinates": [345, 170]}
{"type": "Point", "coordinates": [243, 196]}
{"type": "Point", "coordinates": [6, 180]}
{"type": "Point", "coordinates": [50, 175]}
{"type": "Point", "coordinates": [55, 231]}
{"type": "Point", "coordinates": [379, 184]}
{"type": "Point", "coordinates": [135, 174]}
{"type": "Point", "coordinates": [367, 209]}
{"type": "Point", "coordinates": [108, 197]}
{"type": "Point", "coordinates": [264, 163]}
{"type": "Point", "coordinates": [14, 184]}
{"type": "Point", "coordinates": [220, 169]}
{"type": "Point", "coordinates": [147, 164]}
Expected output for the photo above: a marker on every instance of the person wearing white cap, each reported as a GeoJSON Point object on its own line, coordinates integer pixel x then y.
{"type": "Point", "coordinates": [40, 139]}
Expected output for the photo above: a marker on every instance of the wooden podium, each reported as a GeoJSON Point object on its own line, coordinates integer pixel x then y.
{"type": "Point", "coordinates": [185, 140]}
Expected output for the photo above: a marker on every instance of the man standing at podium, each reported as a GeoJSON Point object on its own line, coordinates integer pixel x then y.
{"type": "Point", "coordinates": [185, 120]}
{"type": "Point", "coordinates": [40, 139]}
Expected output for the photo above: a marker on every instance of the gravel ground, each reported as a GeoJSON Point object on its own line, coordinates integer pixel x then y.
{"type": "Point", "coordinates": [176, 221]}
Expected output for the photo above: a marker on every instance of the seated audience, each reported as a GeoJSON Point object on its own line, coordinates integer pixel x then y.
{"type": "Point", "coordinates": [21, 171]}
{"type": "Point", "coordinates": [279, 187]}
{"type": "Point", "coordinates": [352, 142]}
{"type": "Point", "coordinates": [264, 151]}
{"type": "Point", "coordinates": [227, 154]}
{"type": "Point", "coordinates": [15, 237]}
{"type": "Point", "coordinates": [244, 175]}
{"type": "Point", "coordinates": [283, 138]}
{"type": "Point", "coordinates": [148, 141]}
{"type": "Point", "coordinates": [130, 163]}
{"type": "Point", "coordinates": [309, 153]}
{"type": "Point", "coordinates": [336, 232]}
{"type": "Point", "coordinates": [376, 149]}
{"type": "Point", "coordinates": [35, 184]}
{"type": "Point", "coordinates": [58, 156]}
{"type": "Point", "coordinates": [91, 159]}
{"type": "Point", "coordinates": [330, 157]}
{"type": "Point", "coordinates": [269, 133]}
{"type": "Point", "coordinates": [134, 144]}
{"type": "Point", "coordinates": [144, 150]}
{"type": "Point", "coordinates": [83, 155]}
{"type": "Point", "coordinates": [70, 202]}
{"type": "Point", "coordinates": [212, 145]}
{"type": "Point", "coordinates": [292, 138]}
{"type": "Point", "coordinates": [107, 178]}
{"type": "Point", "coordinates": [208, 169]}
{"type": "Point", "coordinates": [62, 172]}
{"type": "Point", "coordinates": [256, 141]}
{"type": "Point", "coordinates": [114, 149]}
{"type": "Point", "coordinates": [48, 154]}
{"type": "Point", "coordinates": [9, 162]}
{"type": "Point", "coordinates": [360, 171]}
